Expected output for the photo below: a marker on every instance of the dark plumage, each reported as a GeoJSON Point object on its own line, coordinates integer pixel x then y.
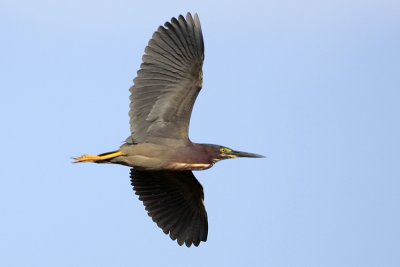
{"type": "Point", "coordinates": [159, 150]}
{"type": "Point", "coordinates": [174, 200]}
{"type": "Point", "coordinates": [168, 82]}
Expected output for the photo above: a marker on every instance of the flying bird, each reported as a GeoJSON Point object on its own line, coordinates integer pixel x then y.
{"type": "Point", "coordinates": [159, 151]}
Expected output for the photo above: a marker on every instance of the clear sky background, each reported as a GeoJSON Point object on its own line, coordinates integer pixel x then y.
{"type": "Point", "coordinates": [314, 86]}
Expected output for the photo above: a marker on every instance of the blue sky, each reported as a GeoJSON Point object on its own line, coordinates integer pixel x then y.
{"type": "Point", "coordinates": [314, 86]}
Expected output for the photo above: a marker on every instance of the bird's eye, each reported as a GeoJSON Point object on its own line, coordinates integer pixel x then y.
{"type": "Point", "coordinates": [224, 150]}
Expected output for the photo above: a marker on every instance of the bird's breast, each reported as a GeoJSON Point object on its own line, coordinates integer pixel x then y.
{"type": "Point", "coordinates": [182, 166]}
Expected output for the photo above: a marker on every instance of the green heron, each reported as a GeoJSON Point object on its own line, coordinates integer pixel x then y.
{"type": "Point", "coordinates": [159, 150]}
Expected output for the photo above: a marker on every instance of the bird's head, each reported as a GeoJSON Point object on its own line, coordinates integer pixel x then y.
{"type": "Point", "coordinates": [222, 152]}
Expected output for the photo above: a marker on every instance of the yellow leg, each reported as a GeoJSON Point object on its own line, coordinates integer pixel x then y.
{"type": "Point", "coordinates": [91, 158]}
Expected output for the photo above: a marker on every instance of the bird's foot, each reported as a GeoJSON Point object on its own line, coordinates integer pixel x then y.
{"type": "Point", "coordinates": [86, 158]}
{"type": "Point", "coordinates": [99, 158]}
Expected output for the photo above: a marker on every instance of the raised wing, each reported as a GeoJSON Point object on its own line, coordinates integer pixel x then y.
{"type": "Point", "coordinates": [174, 200]}
{"type": "Point", "coordinates": [168, 82]}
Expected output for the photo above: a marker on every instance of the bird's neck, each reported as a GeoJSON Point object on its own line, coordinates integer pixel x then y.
{"type": "Point", "coordinates": [209, 150]}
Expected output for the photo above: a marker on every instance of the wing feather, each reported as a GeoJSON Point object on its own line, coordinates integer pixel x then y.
{"type": "Point", "coordinates": [168, 82]}
{"type": "Point", "coordinates": [174, 201]}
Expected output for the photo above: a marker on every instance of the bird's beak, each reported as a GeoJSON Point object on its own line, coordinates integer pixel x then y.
{"type": "Point", "coordinates": [241, 154]}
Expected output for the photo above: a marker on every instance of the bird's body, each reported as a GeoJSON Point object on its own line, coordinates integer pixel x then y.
{"type": "Point", "coordinates": [159, 150]}
{"type": "Point", "coordinates": [155, 157]}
